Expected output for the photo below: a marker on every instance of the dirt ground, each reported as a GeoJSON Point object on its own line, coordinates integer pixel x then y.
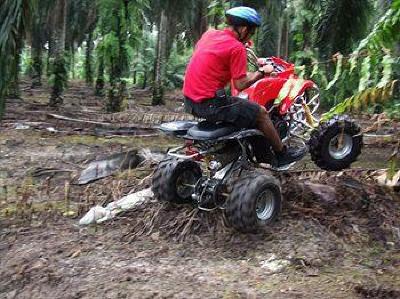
{"type": "Point", "coordinates": [338, 237]}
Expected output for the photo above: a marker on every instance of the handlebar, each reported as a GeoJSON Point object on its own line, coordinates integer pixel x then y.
{"type": "Point", "coordinates": [279, 65]}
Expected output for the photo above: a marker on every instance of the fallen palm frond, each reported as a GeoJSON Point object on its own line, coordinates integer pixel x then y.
{"type": "Point", "coordinates": [178, 222]}
{"type": "Point", "coordinates": [346, 203]}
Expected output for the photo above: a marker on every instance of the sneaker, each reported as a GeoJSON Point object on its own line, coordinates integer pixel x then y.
{"type": "Point", "coordinates": [289, 155]}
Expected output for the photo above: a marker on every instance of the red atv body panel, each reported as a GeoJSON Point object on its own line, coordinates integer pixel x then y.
{"type": "Point", "coordinates": [281, 89]}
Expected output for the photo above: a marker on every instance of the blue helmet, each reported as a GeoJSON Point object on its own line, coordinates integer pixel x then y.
{"type": "Point", "coordinates": [243, 16]}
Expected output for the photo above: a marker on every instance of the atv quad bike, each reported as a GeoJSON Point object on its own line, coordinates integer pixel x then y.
{"type": "Point", "coordinates": [217, 167]}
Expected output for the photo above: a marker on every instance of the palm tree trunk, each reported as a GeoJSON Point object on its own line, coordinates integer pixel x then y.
{"type": "Point", "coordinates": [158, 89]}
{"type": "Point", "coordinates": [48, 66]}
{"type": "Point", "coordinates": [36, 56]}
{"type": "Point", "coordinates": [144, 80]}
{"type": "Point", "coordinates": [13, 88]}
{"type": "Point", "coordinates": [100, 77]}
{"type": "Point", "coordinates": [72, 62]}
{"type": "Point", "coordinates": [200, 25]}
{"type": "Point", "coordinates": [283, 36]}
{"type": "Point", "coordinates": [279, 43]}
{"type": "Point", "coordinates": [89, 59]}
{"type": "Point", "coordinates": [36, 72]}
{"type": "Point", "coordinates": [134, 77]}
{"type": "Point", "coordinates": [59, 67]}
{"type": "Point", "coordinates": [286, 36]}
{"type": "Point", "coordinates": [112, 105]}
{"type": "Point", "coordinates": [50, 55]}
{"type": "Point", "coordinates": [115, 100]}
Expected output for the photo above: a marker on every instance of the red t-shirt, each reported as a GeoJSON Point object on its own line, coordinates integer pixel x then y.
{"type": "Point", "coordinates": [218, 57]}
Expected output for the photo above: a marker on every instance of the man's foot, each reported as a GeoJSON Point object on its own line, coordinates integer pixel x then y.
{"type": "Point", "coordinates": [289, 155]}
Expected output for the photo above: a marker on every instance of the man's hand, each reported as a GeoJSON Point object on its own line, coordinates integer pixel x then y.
{"type": "Point", "coordinates": [245, 82]}
{"type": "Point", "coordinates": [267, 69]}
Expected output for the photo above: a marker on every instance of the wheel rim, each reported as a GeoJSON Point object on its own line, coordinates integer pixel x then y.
{"type": "Point", "coordinates": [340, 146]}
{"type": "Point", "coordinates": [185, 184]}
{"type": "Point", "coordinates": [265, 205]}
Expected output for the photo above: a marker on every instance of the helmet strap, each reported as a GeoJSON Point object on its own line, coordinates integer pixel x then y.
{"type": "Point", "coordinates": [235, 28]}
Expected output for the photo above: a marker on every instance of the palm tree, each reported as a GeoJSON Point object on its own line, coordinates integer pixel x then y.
{"type": "Point", "coordinates": [39, 36]}
{"type": "Point", "coordinates": [171, 15]}
{"type": "Point", "coordinates": [81, 23]}
{"type": "Point", "coordinates": [199, 21]}
{"type": "Point", "coordinates": [89, 58]}
{"type": "Point", "coordinates": [272, 38]}
{"type": "Point", "coordinates": [15, 16]}
{"type": "Point", "coordinates": [161, 60]}
{"type": "Point", "coordinates": [120, 26]}
{"type": "Point", "coordinates": [341, 24]}
{"type": "Point", "coordinates": [59, 69]}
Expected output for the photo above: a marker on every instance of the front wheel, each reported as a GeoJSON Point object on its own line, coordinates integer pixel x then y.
{"type": "Point", "coordinates": [336, 144]}
{"type": "Point", "coordinates": [255, 201]}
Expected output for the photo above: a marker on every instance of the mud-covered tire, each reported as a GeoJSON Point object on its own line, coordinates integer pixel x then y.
{"type": "Point", "coordinates": [322, 139]}
{"type": "Point", "coordinates": [171, 175]}
{"type": "Point", "coordinates": [241, 207]}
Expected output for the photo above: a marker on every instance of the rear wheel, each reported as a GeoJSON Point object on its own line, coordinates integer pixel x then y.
{"type": "Point", "coordinates": [336, 144]}
{"type": "Point", "coordinates": [174, 180]}
{"type": "Point", "coordinates": [255, 201]}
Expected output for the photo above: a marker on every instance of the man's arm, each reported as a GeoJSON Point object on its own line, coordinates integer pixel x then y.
{"type": "Point", "coordinates": [251, 78]}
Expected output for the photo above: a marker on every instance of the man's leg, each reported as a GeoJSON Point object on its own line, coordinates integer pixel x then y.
{"type": "Point", "coordinates": [285, 156]}
{"type": "Point", "coordinates": [266, 126]}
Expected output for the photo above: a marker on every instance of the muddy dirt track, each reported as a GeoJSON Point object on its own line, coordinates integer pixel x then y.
{"type": "Point", "coordinates": [338, 237]}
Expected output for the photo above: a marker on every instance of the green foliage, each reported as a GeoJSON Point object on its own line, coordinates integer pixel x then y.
{"type": "Point", "coordinates": [365, 99]}
{"type": "Point", "coordinates": [302, 15]}
{"type": "Point", "coordinates": [268, 33]}
{"type": "Point", "coordinates": [365, 74]}
{"type": "Point", "coordinates": [319, 76]}
{"type": "Point", "coordinates": [26, 62]}
{"type": "Point", "coordinates": [394, 164]}
{"type": "Point", "coordinates": [176, 68]}
{"type": "Point", "coordinates": [108, 47]}
{"type": "Point", "coordinates": [387, 73]}
{"type": "Point", "coordinates": [375, 74]}
{"type": "Point", "coordinates": [216, 11]}
{"type": "Point", "coordinates": [81, 19]}
{"type": "Point", "coordinates": [385, 32]}
{"type": "Point", "coordinates": [341, 23]}
{"type": "Point", "coordinates": [338, 73]}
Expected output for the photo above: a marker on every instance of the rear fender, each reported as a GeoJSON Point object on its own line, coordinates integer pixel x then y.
{"type": "Point", "coordinates": [243, 134]}
{"type": "Point", "coordinates": [238, 135]}
{"type": "Point", "coordinates": [177, 128]}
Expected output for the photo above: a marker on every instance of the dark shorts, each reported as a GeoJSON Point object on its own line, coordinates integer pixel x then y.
{"type": "Point", "coordinates": [239, 112]}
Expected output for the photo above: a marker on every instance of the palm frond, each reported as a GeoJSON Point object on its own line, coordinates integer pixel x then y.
{"type": "Point", "coordinates": [15, 20]}
{"type": "Point", "coordinates": [340, 24]}
{"type": "Point", "coordinates": [365, 99]}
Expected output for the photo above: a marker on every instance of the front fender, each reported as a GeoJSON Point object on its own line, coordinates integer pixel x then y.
{"type": "Point", "coordinates": [290, 90]}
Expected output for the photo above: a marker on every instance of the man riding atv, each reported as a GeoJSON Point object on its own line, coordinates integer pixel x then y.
{"type": "Point", "coordinates": [220, 57]}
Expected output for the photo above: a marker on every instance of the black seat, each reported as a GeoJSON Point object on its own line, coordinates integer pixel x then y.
{"type": "Point", "coordinates": [206, 130]}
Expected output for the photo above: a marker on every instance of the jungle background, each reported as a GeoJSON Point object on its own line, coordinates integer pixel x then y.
{"type": "Point", "coordinates": [86, 80]}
